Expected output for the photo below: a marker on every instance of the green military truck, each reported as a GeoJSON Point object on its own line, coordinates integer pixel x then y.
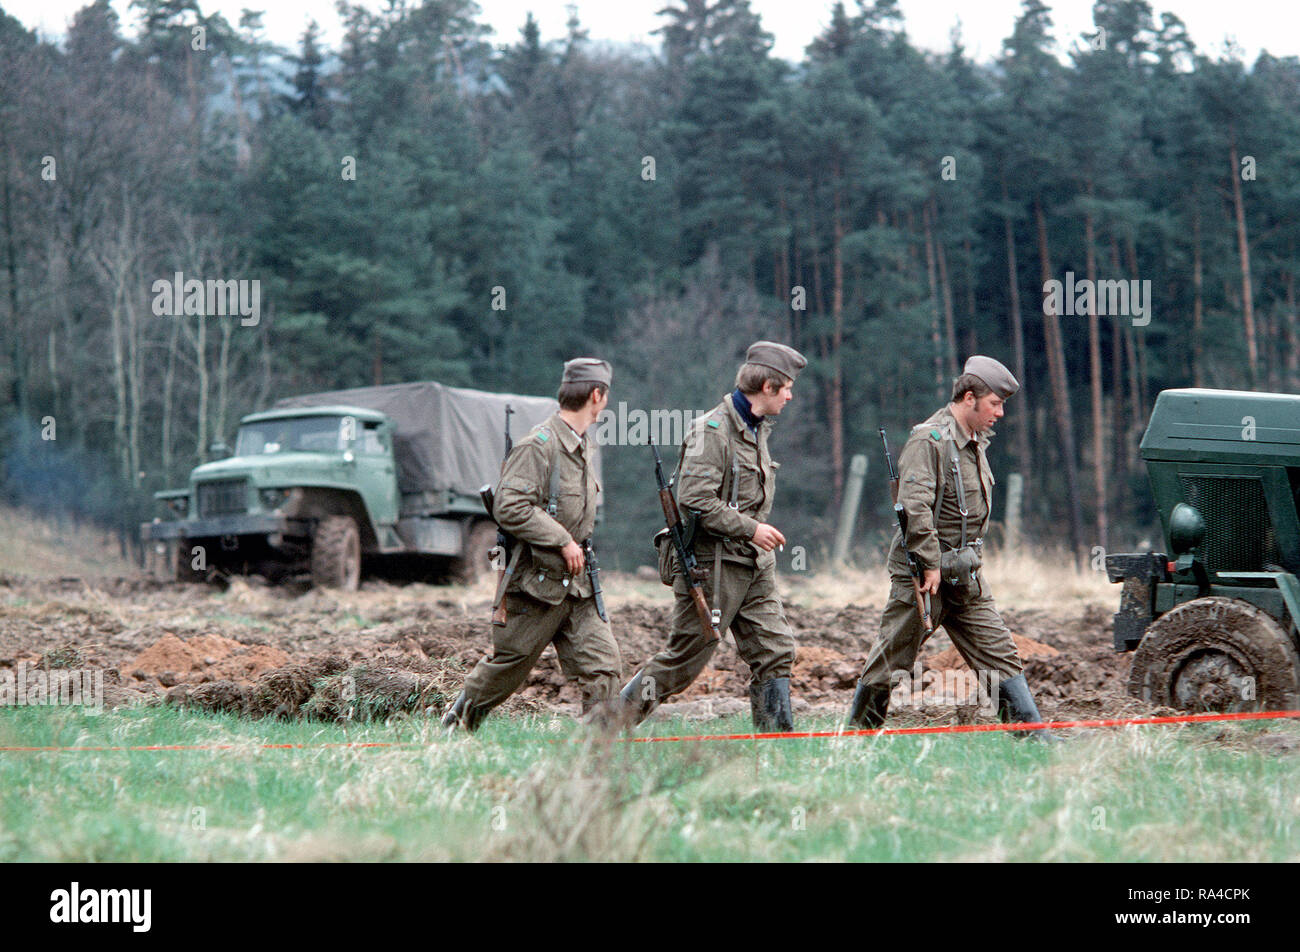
{"type": "Point", "coordinates": [327, 482]}
{"type": "Point", "coordinates": [1212, 624]}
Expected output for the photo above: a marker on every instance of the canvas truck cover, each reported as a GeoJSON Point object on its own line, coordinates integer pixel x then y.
{"type": "Point", "coordinates": [447, 438]}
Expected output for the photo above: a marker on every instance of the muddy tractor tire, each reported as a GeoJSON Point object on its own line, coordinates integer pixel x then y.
{"type": "Point", "coordinates": [472, 564]}
{"type": "Point", "coordinates": [1216, 654]}
{"type": "Point", "coordinates": [336, 554]}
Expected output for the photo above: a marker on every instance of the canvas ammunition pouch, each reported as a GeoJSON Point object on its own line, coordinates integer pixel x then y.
{"type": "Point", "coordinates": [960, 567]}
{"type": "Point", "coordinates": [667, 558]}
{"type": "Point", "coordinates": [667, 552]}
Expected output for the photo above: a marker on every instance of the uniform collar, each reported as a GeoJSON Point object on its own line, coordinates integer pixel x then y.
{"type": "Point", "coordinates": [959, 436]}
{"type": "Point", "coordinates": [746, 410]}
{"type": "Point", "coordinates": [567, 436]}
{"type": "Point", "coordinates": [738, 422]}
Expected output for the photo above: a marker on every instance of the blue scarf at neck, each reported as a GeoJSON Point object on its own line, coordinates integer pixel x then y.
{"type": "Point", "coordinates": [746, 410]}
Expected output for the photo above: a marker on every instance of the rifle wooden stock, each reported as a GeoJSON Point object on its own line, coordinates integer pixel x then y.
{"type": "Point", "coordinates": [702, 609]}
{"type": "Point", "coordinates": [671, 516]}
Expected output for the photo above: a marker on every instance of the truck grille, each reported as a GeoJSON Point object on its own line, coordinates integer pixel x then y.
{"type": "Point", "coordinates": [223, 497]}
{"type": "Point", "coordinates": [1239, 535]}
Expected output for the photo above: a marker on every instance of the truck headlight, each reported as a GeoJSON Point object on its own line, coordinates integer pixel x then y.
{"type": "Point", "coordinates": [271, 498]}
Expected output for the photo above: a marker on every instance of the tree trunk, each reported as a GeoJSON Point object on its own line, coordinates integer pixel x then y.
{"type": "Point", "coordinates": [1094, 361]}
{"type": "Point", "coordinates": [972, 342]}
{"type": "Point", "coordinates": [18, 345]}
{"type": "Point", "coordinates": [201, 363]}
{"type": "Point", "coordinates": [935, 335]}
{"type": "Point", "coordinates": [134, 375]}
{"type": "Point", "coordinates": [835, 407]}
{"type": "Point", "coordinates": [1060, 390]}
{"type": "Point", "coordinates": [1292, 344]}
{"type": "Point", "coordinates": [1198, 299]}
{"type": "Point", "coordinates": [1130, 249]}
{"type": "Point", "coordinates": [1123, 460]}
{"type": "Point", "coordinates": [169, 384]}
{"type": "Point", "coordinates": [945, 290]}
{"type": "Point", "coordinates": [1017, 344]}
{"type": "Point", "coordinates": [223, 379]}
{"type": "Point", "coordinates": [1243, 250]}
{"type": "Point", "coordinates": [119, 382]}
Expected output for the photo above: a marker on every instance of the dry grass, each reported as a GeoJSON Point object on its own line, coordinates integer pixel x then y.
{"type": "Point", "coordinates": [1028, 578]}
{"type": "Point", "coordinates": [45, 548]}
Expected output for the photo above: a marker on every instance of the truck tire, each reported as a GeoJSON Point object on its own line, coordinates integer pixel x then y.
{"type": "Point", "coordinates": [1216, 654]}
{"type": "Point", "coordinates": [336, 554]}
{"type": "Point", "coordinates": [468, 567]}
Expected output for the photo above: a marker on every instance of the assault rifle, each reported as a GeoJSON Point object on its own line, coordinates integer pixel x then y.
{"type": "Point", "coordinates": [694, 574]}
{"type": "Point", "coordinates": [913, 565]}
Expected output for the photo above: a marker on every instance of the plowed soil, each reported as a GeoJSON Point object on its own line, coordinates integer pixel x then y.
{"type": "Point", "coordinates": [284, 651]}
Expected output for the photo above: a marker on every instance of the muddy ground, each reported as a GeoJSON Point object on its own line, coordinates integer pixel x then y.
{"type": "Point", "coordinates": [288, 651]}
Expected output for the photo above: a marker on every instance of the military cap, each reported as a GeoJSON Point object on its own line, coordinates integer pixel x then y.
{"type": "Point", "coordinates": [1000, 380]}
{"type": "Point", "coordinates": [588, 370]}
{"type": "Point", "coordinates": [778, 357]}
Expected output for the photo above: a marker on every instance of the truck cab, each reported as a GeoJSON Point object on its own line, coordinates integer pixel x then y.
{"type": "Point", "coordinates": [315, 486]}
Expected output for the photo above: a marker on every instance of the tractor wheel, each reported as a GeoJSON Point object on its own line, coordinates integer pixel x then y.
{"type": "Point", "coordinates": [336, 554]}
{"type": "Point", "coordinates": [468, 567]}
{"type": "Point", "coordinates": [1216, 654]}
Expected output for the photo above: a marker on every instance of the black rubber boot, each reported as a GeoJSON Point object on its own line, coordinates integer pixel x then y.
{"type": "Point", "coordinates": [462, 714]}
{"type": "Point", "coordinates": [635, 708]}
{"type": "Point", "coordinates": [776, 703]}
{"type": "Point", "coordinates": [870, 704]}
{"type": "Point", "coordinates": [1016, 704]}
{"type": "Point", "coordinates": [769, 702]}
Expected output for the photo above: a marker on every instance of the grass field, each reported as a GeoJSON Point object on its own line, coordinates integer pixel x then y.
{"type": "Point", "coordinates": [541, 789]}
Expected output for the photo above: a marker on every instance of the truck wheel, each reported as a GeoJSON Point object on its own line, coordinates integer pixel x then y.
{"type": "Point", "coordinates": [468, 567]}
{"type": "Point", "coordinates": [336, 554]}
{"type": "Point", "coordinates": [1216, 654]}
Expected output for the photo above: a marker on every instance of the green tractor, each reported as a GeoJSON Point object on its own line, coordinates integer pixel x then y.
{"type": "Point", "coordinates": [1212, 624]}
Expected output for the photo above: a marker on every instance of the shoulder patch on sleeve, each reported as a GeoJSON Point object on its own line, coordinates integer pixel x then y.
{"type": "Point", "coordinates": [714, 423]}
{"type": "Point", "coordinates": [543, 436]}
{"type": "Point", "coordinates": [934, 435]}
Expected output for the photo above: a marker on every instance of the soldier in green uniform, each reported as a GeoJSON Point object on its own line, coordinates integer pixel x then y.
{"type": "Point", "coordinates": [546, 499]}
{"type": "Point", "coordinates": [728, 481]}
{"type": "Point", "coordinates": [946, 487]}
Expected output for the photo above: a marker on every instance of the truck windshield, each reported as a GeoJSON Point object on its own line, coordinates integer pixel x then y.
{"type": "Point", "coordinates": [315, 434]}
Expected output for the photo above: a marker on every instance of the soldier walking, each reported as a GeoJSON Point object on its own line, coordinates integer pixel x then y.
{"type": "Point", "coordinates": [727, 483]}
{"type": "Point", "coordinates": [946, 487]}
{"type": "Point", "coordinates": [547, 500]}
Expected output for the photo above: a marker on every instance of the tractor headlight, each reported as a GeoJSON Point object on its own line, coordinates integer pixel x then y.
{"type": "Point", "coordinates": [1186, 528]}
